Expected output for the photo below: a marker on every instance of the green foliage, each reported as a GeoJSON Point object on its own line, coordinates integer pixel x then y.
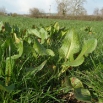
{"type": "Point", "coordinates": [79, 91]}
{"type": "Point", "coordinates": [93, 79]}
{"type": "Point", "coordinates": [76, 86]}
{"type": "Point", "coordinates": [88, 47]}
{"type": "Point", "coordinates": [71, 46]}
{"type": "Point", "coordinates": [76, 83]}
{"type": "Point", "coordinates": [82, 94]}
{"type": "Point", "coordinates": [33, 71]}
{"type": "Point", "coordinates": [32, 61]}
{"type": "Point", "coordinates": [11, 58]}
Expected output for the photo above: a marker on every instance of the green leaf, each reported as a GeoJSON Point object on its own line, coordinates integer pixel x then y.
{"type": "Point", "coordinates": [2, 87]}
{"type": "Point", "coordinates": [29, 40]}
{"type": "Point", "coordinates": [74, 63]}
{"type": "Point", "coordinates": [70, 46]}
{"type": "Point", "coordinates": [34, 71]}
{"type": "Point", "coordinates": [34, 32]}
{"type": "Point", "coordinates": [8, 28]}
{"type": "Point", "coordinates": [8, 70]}
{"type": "Point", "coordinates": [7, 88]}
{"type": "Point", "coordinates": [63, 33]}
{"type": "Point", "coordinates": [56, 26]}
{"type": "Point", "coordinates": [82, 94]}
{"type": "Point", "coordinates": [50, 52]}
{"type": "Point", "coordinates": [1, 25]}
{"type": "Point", "coordinates": [10, 59]}
{"type": "Point", "coordinates": [43, 34]}
{"type": "Point", "coordinates": [75, 82]}
{"type": "Point", "coordinates": [10, 87]}
{"type": "Point", "coordinates": [88, 47]}
{"type": "Point", "coordinates": [1, 53]}
{"type": "Point", "coordinates": [19, 45]}
{"type": "Point", "coordinates": [39, 48]}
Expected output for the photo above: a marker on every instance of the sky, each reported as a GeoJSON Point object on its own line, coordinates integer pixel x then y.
{"type": "Point", "coordinates": [23, 6]}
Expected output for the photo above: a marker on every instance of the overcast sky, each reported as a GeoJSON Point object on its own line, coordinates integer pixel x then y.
{"type": "Point", "coordinates": [23, 6]}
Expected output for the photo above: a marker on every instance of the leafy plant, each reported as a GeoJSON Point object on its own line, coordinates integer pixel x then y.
{"type": "Point", "coordinates": [70, 47]}
{"type": "Point", "coordinates": [79, 91]}
{"type": "Point", "coordinates": [32, 61]}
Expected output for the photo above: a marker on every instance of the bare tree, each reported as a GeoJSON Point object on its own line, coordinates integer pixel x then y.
{"type": "Point", "coordinates": [2, 11]}
{"type": "Point", "coordinates": [101, 12]}
{"type": "Point", "coordinates": [71, 7]}
{"type": "Point", "coordinates": [96, 11]}
{"type": "Point", "coordinates": [62, 6]}
{"type": "Point", "coordinates": [61, 9]}
{"type": "Point", "coordinates": [77, 7]}
{"type": "Point", "coordinates": [36, 12]}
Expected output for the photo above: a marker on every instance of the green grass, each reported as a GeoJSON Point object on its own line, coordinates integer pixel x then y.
{"type": "Point", "coordinates": [93, 78]}
{"type": "Point", "coordinates": [28, 22]}
{"type": "Point", "coordinates": [40, 88]}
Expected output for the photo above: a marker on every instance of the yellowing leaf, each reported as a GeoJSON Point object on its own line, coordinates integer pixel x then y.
{"type": "Point", "coordinates": [17, 40]}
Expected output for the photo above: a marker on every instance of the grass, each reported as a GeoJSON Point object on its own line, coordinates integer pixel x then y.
{"type": "Point", "coordinates": [93, 78]}
{"type": "Point", "coordinates": [41, 88]}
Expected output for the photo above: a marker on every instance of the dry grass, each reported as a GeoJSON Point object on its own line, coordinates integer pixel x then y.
{"type": "Point", "coordinates": [86, 17]}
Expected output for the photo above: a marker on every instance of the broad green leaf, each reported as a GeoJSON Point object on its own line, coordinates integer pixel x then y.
{"type": "Point", "coordinates": [82, 94]}
{"type": "Point", "coordinates": [43, 34]}
{"type": "Point", "coordinates": [75, 82]}
{"type": "Point", "coordinates": [74, 63]}
{"type": "Point", "coordinates": [39, 48]}
{"type": "Point", "coordinates": [88, 47]}
{"type": "Point", "coordinates": [48, 28]}
{"type": "Point", "coordinates": [70, 46]}
{"type": "Point", "coordinates": [50, 52]}
{"type": "Point", "coordinates": [34, 32]}
{"type": "Point", "coordinates": [34, 71]}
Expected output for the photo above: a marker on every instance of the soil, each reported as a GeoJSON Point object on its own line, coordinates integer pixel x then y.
{"type": "Point", "coordinates": [69, 98]}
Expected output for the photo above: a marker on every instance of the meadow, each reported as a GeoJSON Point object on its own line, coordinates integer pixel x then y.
{"type": "Point", "coordinates": [50, 60]}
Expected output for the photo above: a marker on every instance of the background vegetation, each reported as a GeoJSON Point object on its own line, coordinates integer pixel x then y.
{"type": "Point", "coordinates": [44, 86]}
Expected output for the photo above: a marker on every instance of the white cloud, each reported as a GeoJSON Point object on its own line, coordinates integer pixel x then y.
{"type": "Point", "coordinates": [23, 6]}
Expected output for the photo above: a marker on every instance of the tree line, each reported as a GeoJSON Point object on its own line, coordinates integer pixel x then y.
{"type": "Point", "coordinates": [65, 7]}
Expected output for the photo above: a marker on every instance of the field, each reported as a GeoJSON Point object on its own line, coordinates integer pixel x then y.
{"type": "Point", "coordinates": [50, 60]}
